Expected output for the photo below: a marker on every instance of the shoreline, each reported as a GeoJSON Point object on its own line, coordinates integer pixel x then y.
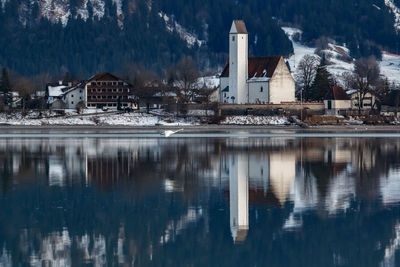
{"type": "Point", "coordinates": [27, 129]}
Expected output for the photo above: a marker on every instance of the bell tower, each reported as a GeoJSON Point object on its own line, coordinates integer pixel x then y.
{"type": "Point", "coordinates": [238, 62]}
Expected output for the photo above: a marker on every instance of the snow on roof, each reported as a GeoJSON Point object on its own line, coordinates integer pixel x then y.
{"type": "Point", "coordinates": [259, 79]}
{"type": "Point", "coordinates": [351, 91]}
{"type": "Point", "coordinates": [56, 90]}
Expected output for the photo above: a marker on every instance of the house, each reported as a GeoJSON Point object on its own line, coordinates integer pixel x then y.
{"type": "Point", "coordinates": [63, 95]}
{"type": "Point", "coordinates": [367, 102]}
{"type": "Point", "coordinates": [74, 95]}
{"type": "Point", "coordinates": [54, 94]}
{"type": "Point", "coordinates": [338, 102]}
{"type": "Point", "coordinates": [253, 79]}
{"type": "Point", "coordinates": [105, 90]}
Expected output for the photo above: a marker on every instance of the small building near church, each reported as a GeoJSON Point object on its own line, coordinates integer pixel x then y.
{"type": "Point", "coordinates": [255, 80]}
{"type": "Point", "coordinates": [338, 102]}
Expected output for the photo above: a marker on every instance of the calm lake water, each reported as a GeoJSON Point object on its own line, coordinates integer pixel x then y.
{"type": "Point", "coordinates": [200, 201]}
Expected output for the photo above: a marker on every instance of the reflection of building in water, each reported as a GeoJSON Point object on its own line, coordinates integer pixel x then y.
{"type": "Point", "coordinates": [55, 250]}
{"type": "Point", "coordinates": [260, 178]}
{"type": "Point", "coordinates": [282, 174]}
{"type": "Point", "coordinates": [107, 170]}
{"type": "Point", "coordinates": [239, 196]}
{"type": "Point", "coordinates": [174, 228]}
{"type": "Point", "coordinates": [5, 258]}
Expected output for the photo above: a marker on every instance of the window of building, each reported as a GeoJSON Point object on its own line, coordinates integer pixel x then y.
{"type": "Point", "coordinates": [80, 98]}
{"type": "Point", "coordinates": [72, 95]}
{"type": "Point", "coordinates": [72, 102]}
{"type": "Point", "coordinates": [261, 89]}
{"type": "Point", "coordinates": [233, 38]}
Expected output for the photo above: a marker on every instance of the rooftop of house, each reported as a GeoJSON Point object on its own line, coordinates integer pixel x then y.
{"type": "Point", "coordinates": [104, 76]}
{"type": "Point", "coordinates": [338, 93]}
{"type": "Point", "coordinates": [259, 67]}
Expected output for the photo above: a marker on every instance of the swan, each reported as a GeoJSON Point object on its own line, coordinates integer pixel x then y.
{"type": "Point", "coordinates": [168, 133]}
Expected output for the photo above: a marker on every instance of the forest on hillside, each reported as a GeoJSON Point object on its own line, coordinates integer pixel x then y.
{"type": "Point", "coordinates": [31, 44]}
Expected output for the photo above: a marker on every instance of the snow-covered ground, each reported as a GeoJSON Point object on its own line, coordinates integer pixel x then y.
{"type": "Point", "coordinates": [390, 64]}
{"type": "Point", "coordinates": [124, 119]}
{"type": "Point", "coordinates": [255, 120]}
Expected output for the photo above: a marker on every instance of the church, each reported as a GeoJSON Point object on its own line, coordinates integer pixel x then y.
{"type": "Point", "coordinates": [253, 80]}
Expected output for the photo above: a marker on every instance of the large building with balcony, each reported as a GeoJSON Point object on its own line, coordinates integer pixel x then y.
{"type": "Point", "coordinates": [105, 90]}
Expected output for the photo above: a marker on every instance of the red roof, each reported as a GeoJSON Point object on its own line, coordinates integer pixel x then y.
{"type": "Point", "coordinates": [240, 26]}
{"type": "Point", "coordinates": [338, 93]}
{"type": "Point", "coordinates": [104, 76]}
{"type": "Point", "coordinates": [258, 67]}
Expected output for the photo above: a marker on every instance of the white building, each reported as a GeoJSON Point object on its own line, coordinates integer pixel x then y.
{"type": "Point", "coordinates": [74, 95]}
{"type": "Point", "coordinates": [255, 79]}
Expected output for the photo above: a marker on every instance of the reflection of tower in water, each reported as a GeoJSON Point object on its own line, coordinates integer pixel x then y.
{"type": "Point", "coordinates": [239, 196]}
{"type": "Point", "coordinates": [274, 173]}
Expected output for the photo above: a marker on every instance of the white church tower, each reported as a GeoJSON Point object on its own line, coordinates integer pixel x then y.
{"type": "Point", "coordinates": [238, 62]}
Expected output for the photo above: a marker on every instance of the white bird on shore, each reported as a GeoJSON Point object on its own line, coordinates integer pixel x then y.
{"type": "Point", "coordinates": [168, 133]}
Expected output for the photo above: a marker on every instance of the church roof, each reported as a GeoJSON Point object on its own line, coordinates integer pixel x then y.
{"type": "Point", "coordinates": [238, 26]}
{"type": "Point", "coordinates": [258, 67]}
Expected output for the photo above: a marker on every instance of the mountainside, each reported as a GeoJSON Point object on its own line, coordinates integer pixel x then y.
{"type": "Point", "coordinates": [87, 36]}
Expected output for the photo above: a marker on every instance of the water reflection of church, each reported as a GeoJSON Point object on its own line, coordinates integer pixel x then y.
{"type": "Point", "coordinates": [258, 179]}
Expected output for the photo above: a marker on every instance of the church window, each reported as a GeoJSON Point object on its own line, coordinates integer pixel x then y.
{"type": "Point", "coordinates": [261, 89]}
{"type": "Point", "coordinates": [233, 38]}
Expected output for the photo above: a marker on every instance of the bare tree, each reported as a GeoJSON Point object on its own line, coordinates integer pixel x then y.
{"type": "Point", "coordinates": [307, 69]}
{"type": "Point", "coordinates": [146, 84]}
{"type": "Point", "coordinates": [186, 76]}
{"type": "Point", "coordinates": [25, 88]}
{"type": "Point", "coordinates": [364, 79]}
{"type": "Point", "coordinates": [381, 91]}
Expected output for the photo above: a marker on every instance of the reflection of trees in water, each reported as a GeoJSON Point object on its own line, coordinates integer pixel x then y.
{"type": "Point", "coordinates": [133, 197]}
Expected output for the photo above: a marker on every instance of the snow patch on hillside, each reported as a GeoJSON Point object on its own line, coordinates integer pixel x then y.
{"type": "Point", "coordinates": [120, 15]}
{"type": "Point", "coordinates": [55, 10]}
{"type": "Point", "coordinates": [396, 13]}
{"type": "Point", "coordinates": [3, 3]}
{"type": "Point", "coordinates": [173, 26]}
{"type": "Point", "coordinates": [82, 11]}
{"type": "Point", "coordinates": [98, 8]}
{"type": "Point", "coordinates": [334, 53]}
{"type": "Point", "coordinates": [390, 64]}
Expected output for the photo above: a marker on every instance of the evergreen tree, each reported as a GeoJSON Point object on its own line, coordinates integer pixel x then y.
{"type": "Point", "coordinates": [5, 86]}
{"type": "Point", "coordinates": [322, 83]}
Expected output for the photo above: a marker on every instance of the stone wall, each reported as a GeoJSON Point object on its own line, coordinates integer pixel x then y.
{"type": "Point", "coordinates": [287, 108]}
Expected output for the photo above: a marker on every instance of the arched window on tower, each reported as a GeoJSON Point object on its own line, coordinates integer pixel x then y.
{"type": "Point", "coordinates": [261, 89]}
{"type": "Point", "coordinates": [233, 38]}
